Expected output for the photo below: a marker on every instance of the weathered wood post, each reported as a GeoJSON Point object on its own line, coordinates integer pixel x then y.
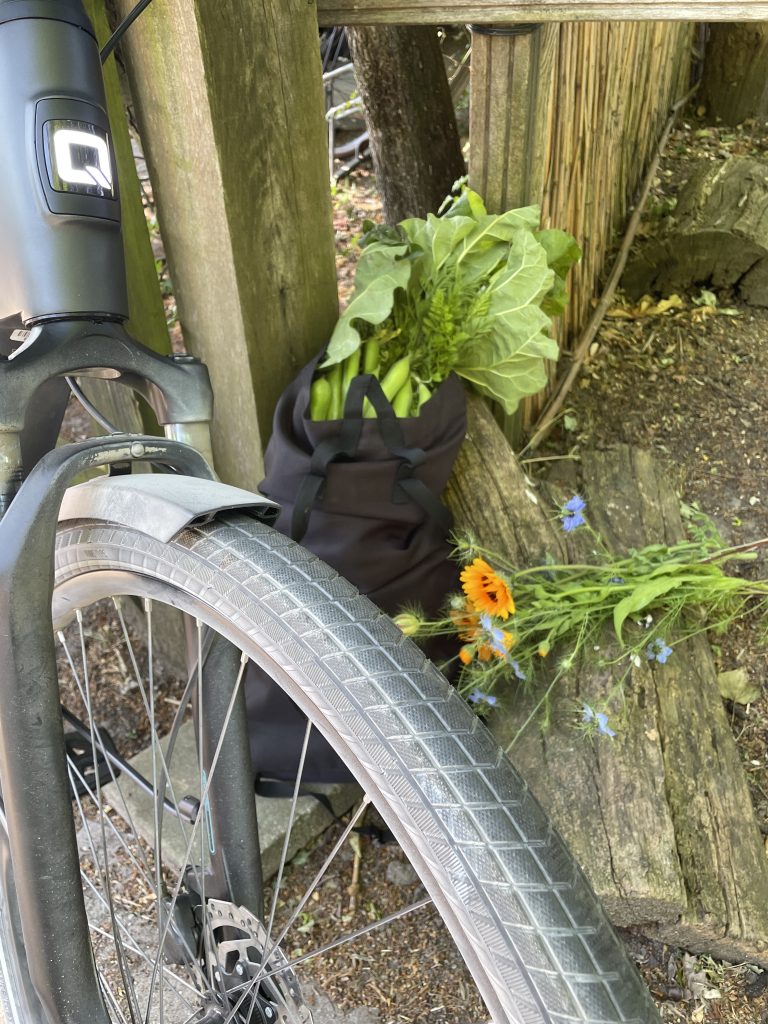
{"type": "Point", "coordinates": [229, 104]}
{"type": "Point", "coordinates": [511, 89]}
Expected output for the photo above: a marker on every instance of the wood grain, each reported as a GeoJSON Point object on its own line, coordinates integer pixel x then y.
{"type": "Point", "coordinates": [230, 108]}
{"type": "Point", "coordinates": [659, 818]}
{"type": "Point", "coordinates": [408, 12]}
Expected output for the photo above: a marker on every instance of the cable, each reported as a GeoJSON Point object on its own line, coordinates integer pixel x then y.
{"type": "Point", "coordinates": [122, 28]}
{"type": "Point", "coordinates": [90, 408]}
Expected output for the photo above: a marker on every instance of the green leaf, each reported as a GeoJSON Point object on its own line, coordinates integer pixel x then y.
{"type": "Point", "coordinates": [447, 235]}
{"type": "Point", "coordinates": [524, 281]}
{"type": "Point", "coordinates": [561, 249]}
{"type": "Point", "coordinates": [468, 204]}
{"type": "Point", "coordinates": [509, 364]}
{"type": "Point", "coordinates": [482, 251]}
{"type": "Point", "coordinates": [562, 252]}
{"type": "Point", "coordinates": [643, 595]}
{"type": "Point", "coordinates": [418, 232]}
{"type": "Point", "coordinates": [379, 274]}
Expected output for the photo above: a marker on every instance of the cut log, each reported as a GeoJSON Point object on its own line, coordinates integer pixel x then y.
{"type": "Point", "coordinates": [659, 818]}
{"type": "Point", "coordinates": [717, 237]}
{"type": "Point", "coordinates": [491, 497]}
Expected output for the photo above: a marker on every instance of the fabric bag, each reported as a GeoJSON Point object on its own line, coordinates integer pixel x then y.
{"type": "Point", "coordinates": [363, 495]}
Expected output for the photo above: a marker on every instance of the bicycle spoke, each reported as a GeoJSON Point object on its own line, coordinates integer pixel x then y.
{"type": "Point", "coordinates": [351, 936]}
{"type": "Point", "coordinates": [289, 829]}
{"type": "Point", "coordinates": [123, 966]}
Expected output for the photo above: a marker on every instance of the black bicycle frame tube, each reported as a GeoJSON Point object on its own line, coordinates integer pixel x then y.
{"type": "Point", "coordinates": [61, 252]}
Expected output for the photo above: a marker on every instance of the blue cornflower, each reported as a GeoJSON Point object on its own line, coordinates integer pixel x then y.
{"type": "Point", "coordinates": [571, 513]}
{"type": "Point", "coordinates": [658, 650]}
{"type": "Point", "coordinates": [495, 635]}
{"type": "Point", "coordinates": [589, 715]}
{"type": "Point", "coordinates": [477, 696]}
{"type": "Point", "coordinates": [517, 670]}
{"type": "Point", "coordinates": [617, 579]}
{"type": "Point", "coordinates": [575, 504]}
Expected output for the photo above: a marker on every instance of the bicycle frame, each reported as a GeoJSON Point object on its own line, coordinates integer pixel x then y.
{"type": "Point", "coordinates": [63, 278]}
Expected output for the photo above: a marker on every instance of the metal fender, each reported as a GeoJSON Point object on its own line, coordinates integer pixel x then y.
{"type": "Point", "coordinates": [160, 505]}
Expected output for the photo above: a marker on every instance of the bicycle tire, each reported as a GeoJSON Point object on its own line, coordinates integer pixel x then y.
{"type": "Point", "coordinates": [532, 933]}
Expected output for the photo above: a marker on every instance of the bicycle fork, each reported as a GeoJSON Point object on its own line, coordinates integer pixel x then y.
{"type": "Point", "coordinates": [35, 790]}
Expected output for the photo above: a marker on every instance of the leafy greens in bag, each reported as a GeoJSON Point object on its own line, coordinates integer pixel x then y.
{"type": "Point", "coordinates": [467, 291]}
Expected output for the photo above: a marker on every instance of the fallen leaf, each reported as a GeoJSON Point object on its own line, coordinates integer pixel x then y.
{"type": "Point", "coordinates": [736, 686]}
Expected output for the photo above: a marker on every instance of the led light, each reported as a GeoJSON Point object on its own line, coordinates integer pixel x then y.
{"type": "Point", "coordinates": [82, 158]}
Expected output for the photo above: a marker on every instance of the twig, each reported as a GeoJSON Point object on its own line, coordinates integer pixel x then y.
{"type": "Point", "coordinates": [547, 419]}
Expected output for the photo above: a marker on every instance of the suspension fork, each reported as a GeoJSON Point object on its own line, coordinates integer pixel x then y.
{"type": "Point", "coordinates": [32, 757]}
{"type": "Point", "coordinates": [177, 387]}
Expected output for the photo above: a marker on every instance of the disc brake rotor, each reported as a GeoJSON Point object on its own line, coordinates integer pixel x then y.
{"type": "Point", "coordinates": [240, 954]}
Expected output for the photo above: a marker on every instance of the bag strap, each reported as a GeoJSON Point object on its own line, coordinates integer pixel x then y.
{"type": "Point", "coordinates": [344, 446]}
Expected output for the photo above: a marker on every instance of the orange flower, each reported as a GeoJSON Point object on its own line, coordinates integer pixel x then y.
{"type": "Point", "coordinates": [484, 652]}
{"type": "Point", "coordinates": [466, 622]}
{"type": "Point", "coordinates": [486, 590]}
{"type": "Point", "coordinates": [465, 655]}
{"type": "Point", "coordinates": [508, 640]}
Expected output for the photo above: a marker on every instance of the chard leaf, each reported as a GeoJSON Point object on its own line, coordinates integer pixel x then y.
{"type": "Point", "coordinates": [509, 363]}
{"type": "Point", "coordinates": [418, 232]}
{"type": "Point", "coordinates": [524, 281]}
{"type": "Point", "coordinates": [468, 204]}
{"type": "Point", "coordinates": [556, 299]}
{"type": "Point", "coordinates": [379, 274]}
{"type": "Point", "coordinates": [562, 252]}
{"type": "Point", "coordinates": [447, 235]}
{"type": "Point", "coordinates": [486, 247]}
{"type": "Point", "coordinates": [561, 249]}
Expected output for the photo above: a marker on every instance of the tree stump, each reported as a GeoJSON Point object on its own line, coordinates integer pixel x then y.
{"type": "Point", "coordinates": [659, 818]}
{"type": "Point", "coordinates": [717, 237]}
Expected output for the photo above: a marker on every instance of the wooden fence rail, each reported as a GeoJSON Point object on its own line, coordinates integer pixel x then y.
{"type": "Point", "coordinates": [407, 12]}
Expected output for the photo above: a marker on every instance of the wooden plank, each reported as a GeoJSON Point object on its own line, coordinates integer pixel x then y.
{"type": "Point", "coordinates": [408, 12]}
{"type": "Point", "coordinates": [511, 87]}
{"type": "Point", "coordinates": [509, 125]}
{"type": "Point", "coordinates": [230, 109]}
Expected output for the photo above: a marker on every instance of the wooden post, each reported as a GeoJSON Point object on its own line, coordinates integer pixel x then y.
{"type": "Point", "coordinates": [512, 69]}
{"type": "Point", "coordinates": [229, 103]}
{"type": "Point", "coordinates": [147, 322]}
{"type": "Point", "coordinates": [509, 124]}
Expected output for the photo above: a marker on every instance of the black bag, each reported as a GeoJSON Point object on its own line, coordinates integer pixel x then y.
{"type": "Point", "coordinates": [363, 495]}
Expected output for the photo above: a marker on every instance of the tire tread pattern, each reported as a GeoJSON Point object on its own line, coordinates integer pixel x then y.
{"type": "Point", "coordinates": [528, 913]}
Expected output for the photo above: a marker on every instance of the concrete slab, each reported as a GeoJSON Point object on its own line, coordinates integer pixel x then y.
{"type": "Point", "coordinates": [136, 806]}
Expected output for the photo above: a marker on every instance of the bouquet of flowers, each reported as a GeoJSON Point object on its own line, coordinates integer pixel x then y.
{"type": "Point", "coordinates": [510, 623]}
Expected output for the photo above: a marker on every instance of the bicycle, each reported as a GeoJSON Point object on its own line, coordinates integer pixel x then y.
{"type": "Point", "coordinates": [75, 944]}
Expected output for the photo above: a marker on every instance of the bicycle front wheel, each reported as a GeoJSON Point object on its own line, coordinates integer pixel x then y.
{"type": "Point", "coordinates": [172, 945]}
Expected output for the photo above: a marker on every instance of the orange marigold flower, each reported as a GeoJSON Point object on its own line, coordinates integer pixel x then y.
{"type": "Point", "coordinates": [487, 590]}
{"type": "Point", "coordinates": [466, 622]}
{"type": "Point", "coordinates": [484, 652]}
{"type": "Point", "coordinates": [465, 655]}
{"type": "Point", "coordinates": [508, 641]}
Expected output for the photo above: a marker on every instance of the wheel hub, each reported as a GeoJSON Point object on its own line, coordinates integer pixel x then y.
{"type": "Point", "coordinates": [238, 954]}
